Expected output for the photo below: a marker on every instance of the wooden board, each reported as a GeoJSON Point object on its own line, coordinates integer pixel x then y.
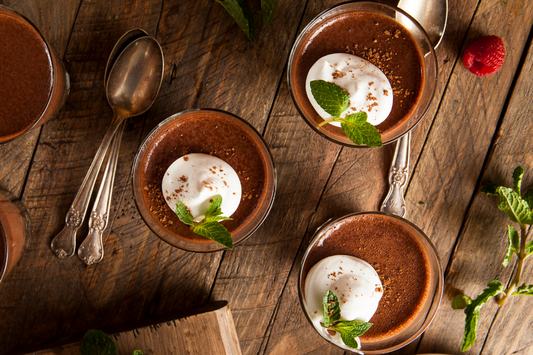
{"type": "Point", "coordinates": [207, 330]}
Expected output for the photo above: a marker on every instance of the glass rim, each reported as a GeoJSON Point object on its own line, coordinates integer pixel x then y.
{"type": "Point", "coordinates": [3, 265]}
{"type": "Point", "coordinates": [269, 161]}
{"type": "Point", "coordinates": [48, 51]}
{"type": "Point", "coordinates": [435, 303]}
{"type": "Point", "coordinates": [318, 18]}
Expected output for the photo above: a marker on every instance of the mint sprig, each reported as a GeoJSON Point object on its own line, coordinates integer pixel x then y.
{"type": "Point", "coordinates": [472, 312]}
{"type": "Point", "coordinates": [348, 330]}
{"type": "Point", "coordinates": [268, 9]}
{"type": "Point", "coordinates": [519, 210]}
{"type": "Point", "coordinates": [96, 342]}
{"type": "Point", "coordinates": [209, 226]}
{"type": "Point", "coordinates": [241, 13]}
{"type": "Point", "coordinates": [335, 100]}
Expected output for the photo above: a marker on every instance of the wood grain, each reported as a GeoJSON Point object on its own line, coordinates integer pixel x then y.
{"type": "Point", "coordinates": [473, 133]}
{"type": "Point", "coordinates": [483, 241]}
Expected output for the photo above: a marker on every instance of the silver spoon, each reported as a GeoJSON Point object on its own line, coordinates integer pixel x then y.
{"type": "Point", "coordinates": [91, 250]}
{"type": "Point", "coordinates": [432, 16]}
{"type": "Point", "coordinates": [132, 86]}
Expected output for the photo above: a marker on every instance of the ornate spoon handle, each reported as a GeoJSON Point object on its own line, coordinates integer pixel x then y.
{"type": "Point", "coordinates": [64, 244]}
{"type": "Point", "coordinates": [399, 172]}
{"type": "Point", "coordinates": [91, 250]}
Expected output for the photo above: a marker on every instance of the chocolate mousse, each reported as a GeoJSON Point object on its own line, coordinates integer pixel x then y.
{"type": "Point", "coordinates": [399, 259]}
{"type": "Point", "coordinates": [14, 231]}
{"type": "Point", "coordinates": [33, 82]}
{"type": "Point", "coordinates": [25, 76]}
{"type": "Point", "coordinates": [377, 38]}
{"type": "Point", "coordinates": [216, 133]}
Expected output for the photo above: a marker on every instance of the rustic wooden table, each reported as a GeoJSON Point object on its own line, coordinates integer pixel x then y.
{"type": "Point", "coordinates": [477, 130]}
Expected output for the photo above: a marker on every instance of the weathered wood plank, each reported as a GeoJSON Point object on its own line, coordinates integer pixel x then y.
{"type": "Point", "coordinates": [457, 166]}
{"type": "Point", "coordinates": [483, 242]}
{"type": "Point", "coordinates": [41, 297]}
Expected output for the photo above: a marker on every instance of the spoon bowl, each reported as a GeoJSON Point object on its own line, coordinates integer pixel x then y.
{"type": "Point", "coordinates": [135, 78]}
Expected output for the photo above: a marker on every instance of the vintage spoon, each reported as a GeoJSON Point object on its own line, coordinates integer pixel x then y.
{"type": "Point", "coordinates": [132, 86]}
{"type": "Point", "coordinates": [432, 16]}
{"type": "Point", "coordinates": [91, 249]}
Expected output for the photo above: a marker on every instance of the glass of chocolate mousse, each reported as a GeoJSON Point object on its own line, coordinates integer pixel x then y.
{"type": "Point", "coordinates": [383, 269]}
{"type": "Point", "coordinates": [33, 81]}
{"type": "Point", "coordinates": [368, 49]}
{"type": "Point", "coordinates": [194, 156]}
{"type": "Point", "coordinates": [14, 232]}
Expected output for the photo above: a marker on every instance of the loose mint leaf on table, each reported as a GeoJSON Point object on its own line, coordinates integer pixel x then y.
{"type": "Point", "coordinates": [330, 308]}
{"type": "Point", "coordinates": [96, 342]}
{"type": "Point", "coordinates": [216, 232]}
{"type": "Point", "coordinates": [360, 131]}
{"type": "Point", "coordinates": [242, 15]}
{"type": "Point", "coordinates": [511, 203]}
{"type": "Point", "coordinates": [513, 246]}
{"type": "Point", "coordinates": [183, 214]}
{"type": "Point", "coordinates": [529, 249]}
{"type": "Point", "coordinates": [209, 226]}
{"type": "Point", "coordinates": [332, 98]}
{"type": "Point", "coordinates": [268, 8]}
{"type": "Point", "coordinates": [524, 290]}
{"type": "Point", "coordinates": [137, 352]}
{"type": "Point", "coordinates": [461, 301]}
{"type": "Point", "coordinates": [518, 173]}
{"type": "Point", "coordinates": [472, 312]}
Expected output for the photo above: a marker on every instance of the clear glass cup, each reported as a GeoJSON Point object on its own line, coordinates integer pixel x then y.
{"type": "Point", "coordinates": [15, 230]}
{"type": "Point", "coordinates": [14, 24]}
{"type": "Point", "coordinates": [428, 307]}
{"type": "Point", "coordinates": [160, 136]}
{"type": "Point", "coordinates": [429, 77]}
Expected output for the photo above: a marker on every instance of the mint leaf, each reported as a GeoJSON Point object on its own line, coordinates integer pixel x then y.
{"type": "Point", "coordinates": [332, 98]}
{"type": "Point", "coordinates": [359, 131]}
{"type": "Point", "coordinates": [517, 179]}
{"type": "Point", "coordinates": [216, 219]}
{"type": "Point", "coordinates": [242, 15]}
{"type": "Point", "coordinates": [461, 301]}
{"type": "Point", "coordinates": [330, 308]}
{"type": "Point", "coordinates": [137, 352]}
{"type": "Point", "coordinates": [511, 203]}
{"type": "Point", "coordinates": [513, 246]}
{"type": "Point", "coordinates": [183, 214]}
{"type": "Point", "coordinates": [350, 330]}
{"type": "Point", "coordinates": [524, 291]}
{"type": "Point", "coordinates": [529, 249]}
{"type": "Point", "coordinates": [216, 232]}
{"type": "Point", "coordinates": [489, 189]}
{"type": "Point", "coordinates": [96, 342]}
{"type": "Point", "coordinates": [214, 207]}
{"type": "Point", "coordinates": [528, 197]}
{"type": "Point", "coordinates": [472, 312]}
{"type": "Point", "coordinates": [268, 8]}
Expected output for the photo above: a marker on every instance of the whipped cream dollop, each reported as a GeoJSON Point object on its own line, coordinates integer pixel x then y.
{"type": "Point", "coordinates": [354, 282]}
{"type": "Point", "coordinates": [368, 87]}
{"type": "Point", "coordinates": [196, 179]}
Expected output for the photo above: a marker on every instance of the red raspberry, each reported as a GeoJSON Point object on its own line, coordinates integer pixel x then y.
{"type": "Point", "coordinates": [484, 56]}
